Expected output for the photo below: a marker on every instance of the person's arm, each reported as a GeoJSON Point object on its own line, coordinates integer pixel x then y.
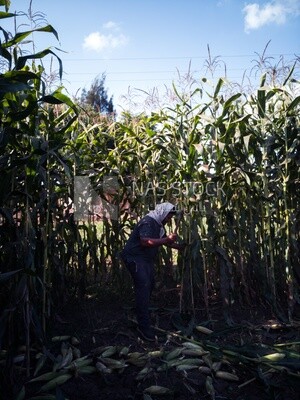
{"type": "Point", "coordinates": [177, 246]}
{"type": "Point", "coordinates": [151, 242]}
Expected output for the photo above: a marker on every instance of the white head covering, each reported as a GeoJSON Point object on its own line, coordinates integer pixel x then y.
{"type": "Point", "coordinates": [159, 214]}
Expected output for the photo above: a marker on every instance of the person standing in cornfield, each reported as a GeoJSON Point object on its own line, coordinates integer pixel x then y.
{"type": "Point", "coordinates": [139, 256]}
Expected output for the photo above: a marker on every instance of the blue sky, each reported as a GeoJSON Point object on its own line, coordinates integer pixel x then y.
{"type": "Point", "coordinates": [147, 44]}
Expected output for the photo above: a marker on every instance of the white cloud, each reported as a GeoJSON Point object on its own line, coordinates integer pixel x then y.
{"type": "Point", "coordinates": [111, 25]}
{"type": "Point", "coordinates": [277, 11]}
{"type": "Point", "coordinates": [97, 41]}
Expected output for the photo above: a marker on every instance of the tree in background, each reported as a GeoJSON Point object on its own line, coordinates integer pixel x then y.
{"type": "Point", "coordinates": [97, 97]}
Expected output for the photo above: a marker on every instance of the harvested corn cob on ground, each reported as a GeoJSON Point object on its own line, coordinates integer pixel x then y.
{"type": "Point", "coordinates": [95, 352]}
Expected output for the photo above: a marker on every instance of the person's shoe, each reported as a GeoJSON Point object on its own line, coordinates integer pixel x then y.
{"type": "Point", "coordinates": [147, 334]}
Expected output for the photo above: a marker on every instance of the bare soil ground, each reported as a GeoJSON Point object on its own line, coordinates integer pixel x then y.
{"type": "Point", "coordinates": [105, 322]}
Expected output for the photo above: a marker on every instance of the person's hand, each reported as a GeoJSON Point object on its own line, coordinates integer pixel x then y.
{"type": "Point", "coordinates": [170, 239]}
{"type": "Point", "coordinates": [181, 246]}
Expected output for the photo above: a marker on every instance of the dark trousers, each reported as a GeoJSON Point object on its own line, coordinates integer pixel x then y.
{"type": "Point", "coordinates": [143, 279]}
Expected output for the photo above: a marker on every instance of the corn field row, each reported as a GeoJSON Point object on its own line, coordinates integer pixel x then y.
{"type": "Point", "coordinates": [228, 159]}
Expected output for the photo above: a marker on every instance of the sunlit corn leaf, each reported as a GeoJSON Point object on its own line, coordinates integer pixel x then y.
{"type": "Point", "coordinates": [273, 357]}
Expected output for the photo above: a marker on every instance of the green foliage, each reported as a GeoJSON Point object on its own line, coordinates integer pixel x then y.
{"type": "Point", "coordinates": [34, 179]}
{"type": "Point", "coordinates": [229, 159]}
{"type": "Point", "coordinates": [97, 97]}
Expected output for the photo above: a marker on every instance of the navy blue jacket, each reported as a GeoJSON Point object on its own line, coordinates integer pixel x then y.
{"type": "Point", "coordinates": [147, 227]}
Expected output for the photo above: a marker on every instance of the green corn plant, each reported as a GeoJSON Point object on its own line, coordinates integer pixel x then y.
{"type": "Point", "coordinates": [27, 152]}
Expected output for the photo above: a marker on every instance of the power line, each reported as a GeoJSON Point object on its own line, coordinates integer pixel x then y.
{"type": "Point", "coordinates": [145, 72]}
{"type": "Point", "coordinates": [172, 57]}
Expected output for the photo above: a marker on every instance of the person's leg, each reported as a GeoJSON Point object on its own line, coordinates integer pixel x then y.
{"type": "Point", "coordinates": [143, 278]}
